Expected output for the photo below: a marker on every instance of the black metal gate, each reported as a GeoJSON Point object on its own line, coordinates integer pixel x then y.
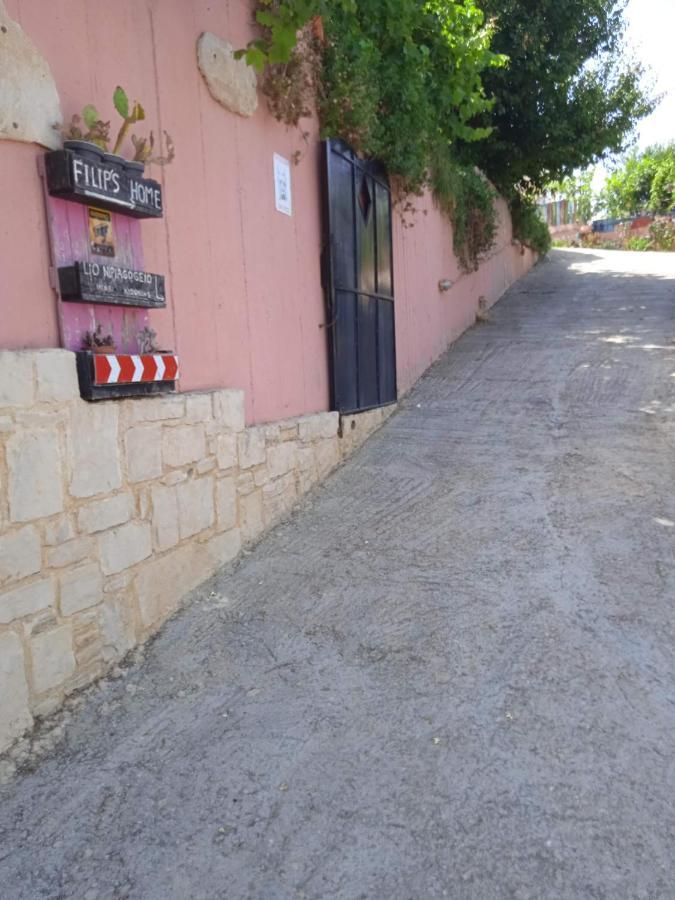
{"type": "Point", "coordinates": [358, 280]}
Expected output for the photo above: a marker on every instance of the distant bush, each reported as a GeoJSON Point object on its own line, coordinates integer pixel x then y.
{"type": "Point", "coordinates": [662, 232]}
{"type": "Point", "coordinates": [596, 240]}
{"type": "Point", "coordinates": [661, 237]}
{"type": "Point", "coordinates": [638, 243]}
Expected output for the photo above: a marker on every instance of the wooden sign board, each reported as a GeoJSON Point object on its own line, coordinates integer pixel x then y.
{"type": "Point", "coordinates": [97, 258]}
{"type": "Point", "coordinates": [104, 181]}
{"type": "Point", "coordinates": [96, 282]}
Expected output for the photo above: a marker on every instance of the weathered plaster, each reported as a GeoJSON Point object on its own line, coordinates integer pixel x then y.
{"type": "Point", "coordinates": [232, 82]}
{"type": "Point", "coordinates": [29, 102]}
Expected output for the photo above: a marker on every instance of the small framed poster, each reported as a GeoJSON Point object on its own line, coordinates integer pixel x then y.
{"type": "Point", "coordinates": [101, 239]}
{"type": "Point", "coordinates": [282, 185]}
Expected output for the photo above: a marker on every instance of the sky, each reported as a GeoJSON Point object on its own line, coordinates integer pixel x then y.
{"type": "Point", "coordinates": [651, 33]}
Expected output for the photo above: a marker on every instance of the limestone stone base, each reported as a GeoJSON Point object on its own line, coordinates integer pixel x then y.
{"type": "Point", "coordinates": [110, 513]}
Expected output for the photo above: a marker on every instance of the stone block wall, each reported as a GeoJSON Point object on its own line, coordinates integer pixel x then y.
{"type": "Point", "coordinates": [111, 512]}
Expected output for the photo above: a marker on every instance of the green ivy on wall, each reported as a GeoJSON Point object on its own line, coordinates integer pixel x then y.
{"type": "Point", "coordinates": [468, 199]}
{"type": "Point", "coordinates": [400, 80]}
{"type": "Point", "coordinates": [528, 225]}
{"type": "Point", "coordinates": [403, 79]}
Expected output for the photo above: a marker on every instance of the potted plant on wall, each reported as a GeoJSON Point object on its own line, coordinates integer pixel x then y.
{"type": "Point", "coordinates": [90, 136]}
{"type": "Point", "coordinates": [147, 342]}
{"type": "Point", "coordinates": [96, 342]}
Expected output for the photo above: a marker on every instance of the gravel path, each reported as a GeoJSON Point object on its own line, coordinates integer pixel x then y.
{"type": "Point", "coordinates": [450, 674]}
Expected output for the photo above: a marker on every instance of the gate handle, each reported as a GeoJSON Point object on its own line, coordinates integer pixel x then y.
{"type": "Point", "coordinates": [331, 323]}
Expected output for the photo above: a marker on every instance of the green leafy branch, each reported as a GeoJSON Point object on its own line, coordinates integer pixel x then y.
{"type": "Point", "coordinates": [281, 22]}
{"type": "Point", "coordinates": [468, 200]}
{"type": "Point", "coordinates": [137, 114]}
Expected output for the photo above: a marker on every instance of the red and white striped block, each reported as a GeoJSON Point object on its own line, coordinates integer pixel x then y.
{"type": "Point", "coordinates": [114, 368]}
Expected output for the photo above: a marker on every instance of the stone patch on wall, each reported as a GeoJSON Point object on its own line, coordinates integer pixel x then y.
{"type": "Point", "coordinates": [29, 102]}
{"type": "Point", "coordinates": [111, 512]}
{"type": "Point", "coordinates": [356, 428]}
{"type": "Point", "coordinates": [232, 82]}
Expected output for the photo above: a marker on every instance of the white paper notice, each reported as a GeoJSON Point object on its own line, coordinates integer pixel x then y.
{"type": "Point", "coordinates": [282, 185]}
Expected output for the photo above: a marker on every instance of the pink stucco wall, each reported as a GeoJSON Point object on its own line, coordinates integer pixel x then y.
{"type": "Point", "coordinates": [245, 306]}
{"type": "Point", "coordinates": [427, 320]}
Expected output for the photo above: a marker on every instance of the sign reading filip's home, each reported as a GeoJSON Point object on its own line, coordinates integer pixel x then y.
{"type": "Point", "coordinates": [95, 282]}
{"type": "Point", "coordinates": [103, 180]}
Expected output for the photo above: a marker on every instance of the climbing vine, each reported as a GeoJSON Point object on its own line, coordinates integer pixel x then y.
{"type": "Point", "coordinates": [400, 80]}
{"type": "Point", "coordinates": [292, 86]}
{"type": "Point", "coordinates": [468, 199]}
{"type": "Point", "coordinates": [528, 226]}
{"type": "Point", "coordinates": [280, 23]}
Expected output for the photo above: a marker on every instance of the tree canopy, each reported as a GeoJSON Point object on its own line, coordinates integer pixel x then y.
{"type": "Point", "coordinates": [569, 95]}
{"type": "Point", "coordinates": [579, 189]}
{"type": "Point", "coordinates": [642, 182]}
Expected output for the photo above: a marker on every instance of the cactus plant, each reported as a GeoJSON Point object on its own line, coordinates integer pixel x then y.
{"type": "Point", "coordinates": [147, 340]}
{"type": "Point", "coordinates": [90, 127]}
{"type": "Point", "coordinates": [98, 342]}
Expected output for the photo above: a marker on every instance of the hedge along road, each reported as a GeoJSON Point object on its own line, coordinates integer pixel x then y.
{"type": "Point", "coordinates": [449, 674]}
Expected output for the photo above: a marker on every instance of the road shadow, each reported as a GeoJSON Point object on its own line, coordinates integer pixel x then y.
{"type": "Point", "coordinates": [571, 256]}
